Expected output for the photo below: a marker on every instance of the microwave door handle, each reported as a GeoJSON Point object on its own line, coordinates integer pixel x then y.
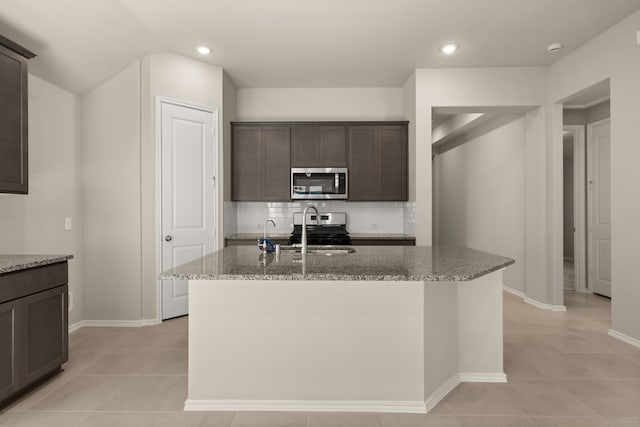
{"type": "Point", "coordinates": [337, 187]}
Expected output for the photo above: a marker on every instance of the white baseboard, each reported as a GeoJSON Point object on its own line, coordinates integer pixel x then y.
{"type": "Point", "coordinates": [544, 306]}
{"type": "Point", "coordinates": [411, 407]}
{"type": "Point", "coordinates": [514, 291]}
{"type": "Point", "coordinates": [113, 324]}
{"type": "Point", "coordinates": [483, 377]}
{"type": "Point", "coordinates": [533, 302]}
{"type": "Point", "coordinates": [623, 337]}
{"type": "Point", "coordinates": [415, 407]}
{"type": "Point", "coordinates": [441, 392]}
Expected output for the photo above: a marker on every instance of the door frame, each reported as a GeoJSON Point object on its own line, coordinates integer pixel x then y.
{"type": "Point", "coordinates": [159, 100]}
{"type": "Point", "coordinates": [579, 206]}
{"type": "Point", "coordinates": [589, 128]}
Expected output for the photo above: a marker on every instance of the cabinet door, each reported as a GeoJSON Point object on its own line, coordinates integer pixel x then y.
{"type": "Point", "coordinates": [9, 356]}
{"type": "Point", "coordinates": [392, 146]}
{"type": "Point", "coordinates": [364, 164]}
{"type": "Point", "coordinates": [318, 146]}
{"type": "Point", "coordinates": [45, 333]}
{"type": "Point", "coordinates": [277, 164]}
{"type": "Point", "coordinates": [247, 163]}
{"type": "Point", "coordinates": [13, 122]}
{"type": "Point", "coordinates": [305, 146]}
{"type": "Point", "coordinates": [333, 146]}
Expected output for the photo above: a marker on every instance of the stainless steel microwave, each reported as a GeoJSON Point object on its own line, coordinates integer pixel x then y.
{"type": "Point", "coordinates": [319, 183]}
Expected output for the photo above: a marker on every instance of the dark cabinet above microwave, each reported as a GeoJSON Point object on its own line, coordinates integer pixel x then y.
{"type": "Point", "coordinates": [374, 153]}
{"type": "Point", "coordinates": [318, 146]}
{"type": "Point", "coordinates": [14, 170]}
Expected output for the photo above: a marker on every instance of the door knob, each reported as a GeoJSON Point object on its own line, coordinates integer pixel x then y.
{"type": "Point", "coordinates": [168, 238]}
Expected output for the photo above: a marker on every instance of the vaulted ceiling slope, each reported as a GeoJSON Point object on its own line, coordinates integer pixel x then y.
{"type": "Point", "coordinates": [300, 43]}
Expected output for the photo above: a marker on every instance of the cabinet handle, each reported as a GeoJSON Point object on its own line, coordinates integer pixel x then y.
{"type": "Point", "coordinates": [168, 238]}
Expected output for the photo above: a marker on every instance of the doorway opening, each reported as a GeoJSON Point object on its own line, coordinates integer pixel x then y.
{"type": "Point", "coordinates": [586, 192]}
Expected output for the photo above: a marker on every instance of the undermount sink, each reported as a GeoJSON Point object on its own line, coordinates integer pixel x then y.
{"type": "Point", "coordinates": [327, 250]}
{"type": "Point", "coordinates": [332, 251]}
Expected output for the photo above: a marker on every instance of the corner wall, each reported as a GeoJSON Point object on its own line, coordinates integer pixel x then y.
{"type": "Point", "coordinates": [614, 55]}
{"type": "Point", "coordinates": [487, 87]}
{"type": "Point", "coordinates": [480, 196]}
{"type": "Point", "coordinates": [34, 223]}
{"type": "Point", "coordinates": [111, 198]}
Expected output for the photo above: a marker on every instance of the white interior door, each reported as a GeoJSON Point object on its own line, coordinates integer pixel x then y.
{"type": "Point", "coordinates": [188, 202]}
{"type": "Point", "coordinates": [599, 195]}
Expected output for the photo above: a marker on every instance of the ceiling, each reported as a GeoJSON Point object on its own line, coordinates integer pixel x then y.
{"type": "Point", "coordinates": [300, 43]}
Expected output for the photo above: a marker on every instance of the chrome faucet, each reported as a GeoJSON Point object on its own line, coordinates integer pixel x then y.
{"type": "Point", "coordinates": [264, 234]}
{"type": "Point", "coordinates": [303, 251]}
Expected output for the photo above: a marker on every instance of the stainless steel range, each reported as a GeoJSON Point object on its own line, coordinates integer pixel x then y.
{"type": "Point", "coordinates": [331, 229]}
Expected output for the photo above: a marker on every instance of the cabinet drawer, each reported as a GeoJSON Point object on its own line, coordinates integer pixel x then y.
{"type": "Point", "coordinates": [21, 283]}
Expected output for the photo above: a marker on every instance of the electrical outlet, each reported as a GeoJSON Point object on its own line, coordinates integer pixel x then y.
{"type": "Point", "coordinates": [67, 224]}
{"type": "Point", "coordinates": [70, 308]}
{"type": "Point", "coordinates": [638, 38]}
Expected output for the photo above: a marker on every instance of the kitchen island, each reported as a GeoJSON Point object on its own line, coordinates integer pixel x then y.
{"type": "Point", "coordinates": [390, 329]}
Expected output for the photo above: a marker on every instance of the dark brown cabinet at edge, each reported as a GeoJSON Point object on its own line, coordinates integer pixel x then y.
{"type": "Point", "coordinates": [14, 174]}
{"type": "Point", "coordinates": [261, 164]}
{"type": "Point", "coordinates": [378, 163]}
{"type": "Point", "coordinates": [33, 327]}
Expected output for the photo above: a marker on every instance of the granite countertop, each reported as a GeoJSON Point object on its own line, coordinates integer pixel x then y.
{"type": "Point", "coordinates": [391, 263]}
{"type": "Point", "coordinates": [257, 236]}
{"type": "Point", "coordinates": [9, 263]}
{"type": "Point", "coordinates": [372, 236]}
{"type": "Point", "coordinates": [381, 236]}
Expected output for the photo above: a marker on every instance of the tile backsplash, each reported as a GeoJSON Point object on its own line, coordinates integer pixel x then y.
{"type": "Point", "coordinates": [362, 217]}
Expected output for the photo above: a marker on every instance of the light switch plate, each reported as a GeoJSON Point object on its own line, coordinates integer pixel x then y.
{"type": "Point", "coordinates": [638, 38]}
{"type": "Point", "coordinates": [67, 224]}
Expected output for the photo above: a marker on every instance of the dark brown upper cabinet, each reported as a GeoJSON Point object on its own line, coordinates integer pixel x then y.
{"type": "Point", "coordinates": [260, 162]}
{"type": "Point", "coordinates": [318, 146]}
{"type": "Point", "coordinates": [14, 170]}
{"type": "Point", "coordinates": [378, 163]}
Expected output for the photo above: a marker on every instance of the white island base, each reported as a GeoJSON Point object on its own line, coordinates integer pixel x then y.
{"type": "Point", "coordinates": [365, 346]}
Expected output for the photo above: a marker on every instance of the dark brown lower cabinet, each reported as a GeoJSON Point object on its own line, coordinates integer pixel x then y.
{"type": "Point", "coordinates": [33, 327]}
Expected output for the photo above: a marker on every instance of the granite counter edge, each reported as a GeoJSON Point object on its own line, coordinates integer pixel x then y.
{"type": "Point", "coordinates": [44, 260]}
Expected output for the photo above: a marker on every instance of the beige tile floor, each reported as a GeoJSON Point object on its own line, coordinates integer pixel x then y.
{"type": "Point", "coordinates": [563, 370]}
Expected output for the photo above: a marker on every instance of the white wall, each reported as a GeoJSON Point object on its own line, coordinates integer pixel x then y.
{"type": "Point", "coordinates": [488, 87]}
{"type": "Point", "coordinates": [193, 82]}
{"type": "Point", "coordinates": [614, 55]}
{"type": "Point", "coordinates": [111, 197]}
{"type": "Point", "coordinates": [229, 94]}
{"type": "Point", "coordinates": [274, 104]}
{"type": "Point", "coordinates": [339, 104]}
{"type": "Point", "coordinates": [119, 180]}
{"type": "Point", "coordinates": [34, 223]}
{"type": "Point", "coordinates": [480, 196]}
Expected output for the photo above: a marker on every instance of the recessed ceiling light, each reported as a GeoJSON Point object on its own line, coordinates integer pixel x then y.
{"type": "Point", "coordinates": [555, 47]}
{"type": "Point", "coordinates": [449, 48]}
{"type": "Point", "coordinates": [203, 50]}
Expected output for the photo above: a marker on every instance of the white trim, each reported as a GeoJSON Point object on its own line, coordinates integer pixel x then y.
{"type": "Point", "coordinates": [514, 291]}
{"type": "Point", "coordinates": [588, 105]}
{"type": "Point", "coordinates": [113, 324]}
{"type": "Point", "coordinates": [579, 206]}
{"type": "Point", "coordinates": [623, 337]}
{"type": "Point", "coordinates": [75, 326]}
{"type": "Point", "coordinates": [483, 377]}
{"type": "Point", "coordinates": [543, 306]}
{"type": "Point", "coordinates": [441, 392]}
{"type": "Point", "coordinates": [216, 195]}
{"type": "Point", "coordinates": [533, 302]}
{"type": "Point", "coordinates": [306, 405]}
